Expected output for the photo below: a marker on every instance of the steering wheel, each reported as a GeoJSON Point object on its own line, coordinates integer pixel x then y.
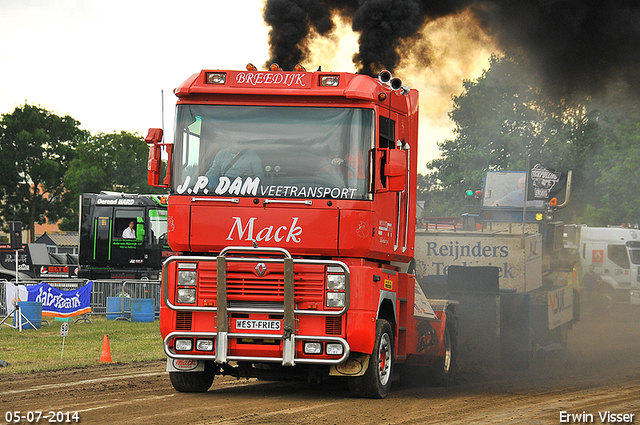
{"type": "Point", "coordinates": [338, 166]}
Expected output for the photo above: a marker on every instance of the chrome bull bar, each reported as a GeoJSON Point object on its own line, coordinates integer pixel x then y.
{"type": "Point", "coordinates": [214, 335]}
{"type": "Point", "coordinates": [222, 309]}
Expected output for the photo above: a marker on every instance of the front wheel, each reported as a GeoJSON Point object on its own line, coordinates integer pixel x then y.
{"type": "Point", "coordinates": [193, 382]}
{"type": "Point", "coordinates": [376, 381]}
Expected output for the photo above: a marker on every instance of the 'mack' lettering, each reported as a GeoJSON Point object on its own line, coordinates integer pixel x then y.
{"type": "Point", "coordinates": [267, 233]}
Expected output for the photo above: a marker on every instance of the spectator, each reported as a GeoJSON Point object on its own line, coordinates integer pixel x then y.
{"type": "Point", "coordinates": [591, 280]}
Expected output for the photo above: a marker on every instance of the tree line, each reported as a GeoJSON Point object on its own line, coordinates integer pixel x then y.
{"type": "Point", "coordinates": [48, 161]}
{"type": "Point", "coordinates": [507, 114]}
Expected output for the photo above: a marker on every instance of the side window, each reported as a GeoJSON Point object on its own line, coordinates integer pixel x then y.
{"type": "Point", "coordinates": [158, 226]}
{"type": "Point", "coordinates": [191, 152]}
{"type": "Point", "coordinates": [129, 224]}
{"type": "Point", "coordinates": [387, 133]}
{"type": "Point", "coordinates": [618, 254]}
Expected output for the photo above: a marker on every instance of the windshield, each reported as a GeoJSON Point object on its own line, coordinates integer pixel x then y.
{"type": "Point", "coordinates": [506, 189]}
{"type": "Point", "coordinates": [279, 152]}
{"type": "Point", "coordinates": [158, 225]}
{"type": "Point", "coordinates": [634, 252]}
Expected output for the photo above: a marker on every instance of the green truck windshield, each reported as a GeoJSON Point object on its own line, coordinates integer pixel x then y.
{"type": "Point", "coordinates": [275, 152]}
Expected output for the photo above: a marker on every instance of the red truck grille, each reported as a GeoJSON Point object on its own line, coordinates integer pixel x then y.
{"type": "Point", "coordinates": [245, 284]}
{"type": "Point", "coordinates": [333, 325]}
{"type": "Point", "coordinates": [183, 320]}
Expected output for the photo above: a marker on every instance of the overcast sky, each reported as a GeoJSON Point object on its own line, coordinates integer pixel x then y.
{"type": "Point", "coordinates": [105, 63]}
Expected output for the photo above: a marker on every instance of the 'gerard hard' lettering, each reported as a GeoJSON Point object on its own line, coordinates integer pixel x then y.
{"type": "Point", "coordinates": [288, 234]}
{"type": "Point", "coordinates": [456, 250]}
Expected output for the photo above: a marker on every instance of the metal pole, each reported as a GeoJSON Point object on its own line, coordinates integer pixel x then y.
{"type": "Point", "coordinates": [524, 212]}
{"type": "Point", "coordinates": [526, 195]}
{"type": "Point", "coordinates": [19, 313]}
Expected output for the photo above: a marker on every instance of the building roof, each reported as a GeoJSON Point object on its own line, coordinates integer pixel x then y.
{"type": "Point", "coordinates": [59, 238]}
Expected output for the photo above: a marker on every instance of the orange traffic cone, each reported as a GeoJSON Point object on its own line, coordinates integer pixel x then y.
{"type": "Point", "coordinates": [105, 355]}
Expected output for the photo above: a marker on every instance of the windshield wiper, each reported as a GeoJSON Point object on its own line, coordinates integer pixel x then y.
{"type": "Point", "coordinates": [286, 201]}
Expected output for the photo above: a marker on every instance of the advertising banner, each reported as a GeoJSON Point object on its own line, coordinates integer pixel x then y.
{"type": "Point", "coordinates": [59, 303]}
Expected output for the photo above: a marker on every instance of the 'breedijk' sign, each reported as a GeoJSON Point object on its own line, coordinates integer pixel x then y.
{"type": "Point", "coordinates": [266, 79]}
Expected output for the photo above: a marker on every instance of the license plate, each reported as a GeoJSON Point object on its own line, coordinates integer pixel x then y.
{"type": "Point", "coordinates": [264, 325]}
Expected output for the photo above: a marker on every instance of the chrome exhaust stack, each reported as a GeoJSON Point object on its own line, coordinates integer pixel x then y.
{"type": "Point", "coordinates": [394, 84]}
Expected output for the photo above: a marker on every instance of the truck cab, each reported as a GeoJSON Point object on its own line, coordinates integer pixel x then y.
{"type": "Point", "coordinates": [122, 235]}
{"type": "Point", "coordinates": [291, 194]}
{"type": "Point", "coordinates": [615, 254]}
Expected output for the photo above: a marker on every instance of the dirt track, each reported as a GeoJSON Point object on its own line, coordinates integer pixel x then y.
{"type": "Point", "coordinates": [600, 372]}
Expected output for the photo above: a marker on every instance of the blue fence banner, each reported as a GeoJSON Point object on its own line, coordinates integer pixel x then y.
{"type": "Point", "coordinates": [58, 303]}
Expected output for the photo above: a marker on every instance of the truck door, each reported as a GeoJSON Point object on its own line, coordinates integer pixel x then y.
{"type": "Point", "coordinates": [157, 237]}
{"type": "Point", "coordinates": [100, 243]}
{"type": "Point", "coordinates": [617, 264]}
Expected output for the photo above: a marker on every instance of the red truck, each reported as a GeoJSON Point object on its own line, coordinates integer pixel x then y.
{"type": "Point", "coordinates": [292, 210]}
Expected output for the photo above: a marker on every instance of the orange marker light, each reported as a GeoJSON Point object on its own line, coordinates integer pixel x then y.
{"type": "Point", "coordinates": [251, 67]}
{"type": "Point", "coordinates": [275, 67]}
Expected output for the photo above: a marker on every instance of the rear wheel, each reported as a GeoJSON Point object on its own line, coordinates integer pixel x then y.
{"type": "Point", "coordinates": [442, 372]}
{"type": "Point", "coordinates": [376, 381]}
{"type": "Point", "coordinates": [193, 382]}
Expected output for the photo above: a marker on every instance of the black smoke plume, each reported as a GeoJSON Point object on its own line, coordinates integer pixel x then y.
{"type": "Point", "coordinates": [576, 44]}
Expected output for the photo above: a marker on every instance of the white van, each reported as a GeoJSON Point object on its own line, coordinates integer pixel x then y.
{"type": "Point", "coordinates": [615, 255]}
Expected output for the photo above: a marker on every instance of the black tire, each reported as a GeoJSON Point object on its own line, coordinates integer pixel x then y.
{"type": "Point", "coordinates": [411, 269]}
{"type": "Point", "coordinates": [442, 372]}
{"type": "Point", "coordinates": [376, 381]}
{"type": "Point", "coordinates": [193, 382]}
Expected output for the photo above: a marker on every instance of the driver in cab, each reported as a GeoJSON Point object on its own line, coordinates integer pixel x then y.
{"type": "Point", "coordinates": [233, 162]}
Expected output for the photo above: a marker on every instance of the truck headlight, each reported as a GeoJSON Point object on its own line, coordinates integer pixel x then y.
{"type": "Point", "coordinates": [187, 278]}
{"type": "Point", "coordinates": [335, 299]}
{"type": "Point", "coordinates": [204, 345]}
{"type": "Point", "coordinates": [186, 295]}
{"type": "Point", "coordinates": [183, 344]}
{"type": "Point", "coordinates": [334, 349]}
{"type": "Point", "coordinates": [313, 348]}
{"type": "Point", "coordinates": [335, 281]}
{"type": "Point", "coordinates": [330, 80]}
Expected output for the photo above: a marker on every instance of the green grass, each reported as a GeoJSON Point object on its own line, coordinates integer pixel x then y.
{"type": "Point", "coordinates": [39, 350]}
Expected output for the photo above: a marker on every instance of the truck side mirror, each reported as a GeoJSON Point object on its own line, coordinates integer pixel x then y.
{"type": "Point", "coordinates": [154, 165]}
{"type": "Point", "coordinates": [396, 170]}
{"type": "Point", "coordinates": [392, 164]}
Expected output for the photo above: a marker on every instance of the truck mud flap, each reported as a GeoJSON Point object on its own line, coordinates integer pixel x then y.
{"type": "Point", "coordinates": [515, 330]}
